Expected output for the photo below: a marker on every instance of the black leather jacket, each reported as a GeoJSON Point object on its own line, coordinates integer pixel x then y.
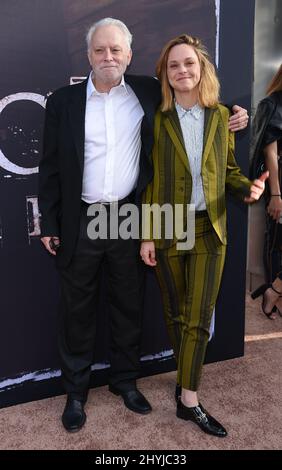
{"type": "Point", "coordinates": [266, 128]}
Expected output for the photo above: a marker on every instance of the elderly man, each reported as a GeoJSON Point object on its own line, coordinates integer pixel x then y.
{"type": "Point", "coordinates": [97, 143]}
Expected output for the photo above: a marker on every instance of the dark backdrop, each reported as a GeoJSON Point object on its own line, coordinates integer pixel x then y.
{"type": "Point", "coordinates": [42, 46]}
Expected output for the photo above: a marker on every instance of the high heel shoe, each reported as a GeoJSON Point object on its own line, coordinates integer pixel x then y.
{"type": "Point", "coordinates": [280, 295]}
{"type": "Point", "coordinates": [261, 291]}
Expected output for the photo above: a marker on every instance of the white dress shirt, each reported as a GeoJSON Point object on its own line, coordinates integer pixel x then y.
{"type": "Point", "coordinates": [192, 126]}
{"type": "Point", "coordinates": [112, 143]}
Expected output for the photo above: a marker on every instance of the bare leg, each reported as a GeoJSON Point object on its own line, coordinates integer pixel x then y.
{"type": "Point", "coordinates": [189, 398]}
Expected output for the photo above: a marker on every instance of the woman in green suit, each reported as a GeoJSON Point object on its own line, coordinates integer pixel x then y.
{"type": "Point", "coordinates": [193, 159]}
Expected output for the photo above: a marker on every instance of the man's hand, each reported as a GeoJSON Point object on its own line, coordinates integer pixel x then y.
{"type": "Point", "coordinates": [239, 120]}
{"type": "Point", "coordinates": [51, 244]}
{"type": "Point", "coordinates": [257, 188]}
{"type": "Point", "coordinates": [147, 253]}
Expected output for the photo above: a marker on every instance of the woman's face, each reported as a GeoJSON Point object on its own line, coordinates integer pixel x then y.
{"type": "Point", "coordinates": [183, 68]}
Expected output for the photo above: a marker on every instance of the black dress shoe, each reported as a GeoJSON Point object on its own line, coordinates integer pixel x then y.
{"type": "Point", "coordinates": [178, 391]}
{"type": "Point", "coordinates": [134, 400]}
{"type": "Point", "coordinates": [200, 416]}
{"type": "Point", "coordinates": [74, 416]}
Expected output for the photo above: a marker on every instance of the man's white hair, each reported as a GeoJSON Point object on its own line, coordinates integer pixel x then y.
{"type": "Point", "coordinates": [109, 22]}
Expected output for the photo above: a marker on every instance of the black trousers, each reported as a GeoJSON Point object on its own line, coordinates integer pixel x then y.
{"type": "Point", "coordinates": [77, 325]}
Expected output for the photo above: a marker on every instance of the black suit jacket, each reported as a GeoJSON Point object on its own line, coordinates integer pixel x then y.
{"type": "Point", "coordinates": [61, 167]}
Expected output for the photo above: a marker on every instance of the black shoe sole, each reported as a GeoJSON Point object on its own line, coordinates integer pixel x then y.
{"type": "Point", "coordinates": [75, 429]}
{"type": "Point", "coordinates": [137, 411]}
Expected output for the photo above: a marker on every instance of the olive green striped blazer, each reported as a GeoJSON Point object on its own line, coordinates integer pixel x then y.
{"type": "Point", "coordinates": [172, 181]}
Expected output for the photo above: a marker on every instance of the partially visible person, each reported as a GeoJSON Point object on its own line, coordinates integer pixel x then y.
{"type": "Point", "coordinates": [193, 159]}
{"type": "Point", "coordinates": [266, 154]}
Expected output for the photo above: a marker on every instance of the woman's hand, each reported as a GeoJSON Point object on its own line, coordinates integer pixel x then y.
{"type": "Point", "coordinates": [147, 253]}
{"type": "Point", "coordinates": [257, 188]}
{"type": "Point", "coordinates": [274, 208]}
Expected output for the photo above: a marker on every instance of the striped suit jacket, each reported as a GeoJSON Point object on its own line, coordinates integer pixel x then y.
{"type": "Point", "coordinates": [172, 181]}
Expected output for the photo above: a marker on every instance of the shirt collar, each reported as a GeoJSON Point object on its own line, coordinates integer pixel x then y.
{"type": "Point", "coordinates": [91, 90]}
{"type": "Point", "coordinates": [195, 111]}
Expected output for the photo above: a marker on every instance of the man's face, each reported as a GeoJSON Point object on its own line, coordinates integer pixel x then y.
{"type": "Point", "coordinates": [109, 55]}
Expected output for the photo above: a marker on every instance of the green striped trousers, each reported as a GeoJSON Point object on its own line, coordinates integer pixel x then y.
{"type": "Point", "coordinates": [190, 282]}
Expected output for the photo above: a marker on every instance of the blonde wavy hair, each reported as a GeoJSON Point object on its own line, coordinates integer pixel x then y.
{"type": "Point", "coordinates": [208, 86]}
{"type": "Point", "coordinates": [276, 82]}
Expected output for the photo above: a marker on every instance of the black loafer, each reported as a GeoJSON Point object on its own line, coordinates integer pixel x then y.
{"type": "Point", "coordinates": [201, 417]}
{"type": "Point", "coordinates": [74, 416]}
{"type": "Point", "coordinates": [178, 391]}
{"type": "Point", "coordinates": [133, 400]}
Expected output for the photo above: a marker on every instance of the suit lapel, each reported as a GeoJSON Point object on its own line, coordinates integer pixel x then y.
{"type": "Point", "coordinates": [77, 119]}
{"type": "Point", "coordinates": [172, 125]}
{"type": "Point", "coordinates": [211, 121]}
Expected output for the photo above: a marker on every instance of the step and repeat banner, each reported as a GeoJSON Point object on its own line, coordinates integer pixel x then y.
{"type": "Point", "coordinates": [42, 48]}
